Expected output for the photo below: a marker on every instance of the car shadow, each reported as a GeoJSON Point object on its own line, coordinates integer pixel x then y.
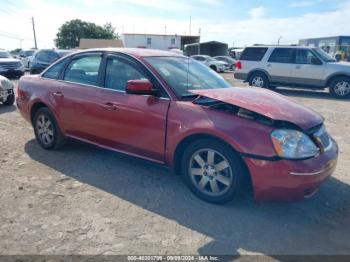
{"type": "Point", "coordinates": [315, 94]}
{"type": "Point", "coordinates": [320, 225]}
{"type": "Point", "coordinates": [7, 109]}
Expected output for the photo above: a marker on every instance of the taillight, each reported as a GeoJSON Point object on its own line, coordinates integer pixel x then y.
{"type": "Point", "coordinates": [20, 93]}
{"type": "Point", "coordinates": [238, 65]}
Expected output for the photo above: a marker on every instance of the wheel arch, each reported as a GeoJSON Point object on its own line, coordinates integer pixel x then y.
{"type": "Point", "coordinates": [214, 67]}
{"type": "Point", "coordinates": [258, 70]}
{"type": "Point", "coordinates": [186, 141]}
{"type": "Point", "coordinates": [334, 76]}
{"type": "Point", "coordinates": [35, 107]}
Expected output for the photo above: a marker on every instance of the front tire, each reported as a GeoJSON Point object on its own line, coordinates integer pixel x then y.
{"type": "Point", "coordinates": [259, 80]}
{"type": "Point", "coordinates": [340, 87]}
{"type": "Point", "coordinates": [212, 171]}
{"type": "Point", "coordinates": [46, 129]}
{"type": "Point", "coordinates": [214, 68]}
{"type": "Point", "coordinates": [10, 100]}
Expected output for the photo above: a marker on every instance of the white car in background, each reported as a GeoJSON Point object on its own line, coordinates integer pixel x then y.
{"type": "Point", "coordinates": [7, 95]}
{"type": "Point", "coordinates": [217, 66]}
{"type": "Point", "coordinates": [25, 57]}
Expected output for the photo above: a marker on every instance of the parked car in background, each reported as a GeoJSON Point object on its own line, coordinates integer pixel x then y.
{"type": "Point", "coordinates": [294, 66]}
{"type": "Point", "coordinates": [25, 56]}
{"type": "Point", "coordinates": [217, 66]}
{"type": "Point", "coordinates": [7, 95]}
{"type": "Point", "coordinates": [235, 52]}
{"type": "Point", "coordinates": [45, 57]}
{"type": "Point", "coordinates": [9, 66]}
{"type": "Point", "coordinates": [175, 111]}
{"type": "Point", "coordinates": [231, 63]}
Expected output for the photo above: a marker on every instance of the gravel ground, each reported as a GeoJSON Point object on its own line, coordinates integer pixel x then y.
{"type": "Point", "coordinates": [84, 200]}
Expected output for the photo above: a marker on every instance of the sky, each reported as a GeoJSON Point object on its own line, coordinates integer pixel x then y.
{"type": "Point", "coordinates": [235, 22]}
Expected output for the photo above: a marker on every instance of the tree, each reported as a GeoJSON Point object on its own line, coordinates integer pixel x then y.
{"type": "Point", "coordinates": [70, 33]}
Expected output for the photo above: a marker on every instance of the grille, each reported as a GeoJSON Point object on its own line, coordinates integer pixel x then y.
{"type": "Point", "coordinates": [10, 65]}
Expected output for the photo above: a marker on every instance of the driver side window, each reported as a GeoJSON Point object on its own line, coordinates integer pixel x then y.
{"type": "Point", "coordinates": [119, 72]}
{"type": "Point", "coordinates": [304, 57]}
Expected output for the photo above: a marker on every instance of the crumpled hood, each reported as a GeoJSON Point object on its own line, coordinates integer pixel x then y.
{"type": "Point", "coordinates": [267, 103]}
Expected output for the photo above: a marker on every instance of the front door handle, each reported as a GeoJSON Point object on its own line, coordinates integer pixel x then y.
{"type": "Point", "coordinates": [110, 106]}
{"type": "Point", "coordinates": [58, 94]}
{"type": "Point", "coordinates": [268, 65]}
{"type": "Point", "coordinates": [298, 67]}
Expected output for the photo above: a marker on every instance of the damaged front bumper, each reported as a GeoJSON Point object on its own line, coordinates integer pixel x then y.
{"type": "Point", "coordinates": [290, 180]}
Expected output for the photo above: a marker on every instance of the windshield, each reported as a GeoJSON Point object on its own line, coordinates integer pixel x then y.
{"type": "Point", "coordinates": [324, 56]}
{"type": "Point", "coordinates": [29, 53]}
{"type": "Point", "coordinates": [64, 53]}
{"type": "Point", "coordinates": [4, 54]}
{"type": "Point", "coordinates": [183, 74]}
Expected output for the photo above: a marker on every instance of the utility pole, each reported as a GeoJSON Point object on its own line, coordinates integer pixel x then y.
{"type": "Point", "coordinates": [279, 40]}
{"type": "Point", "coordinates": [36, 46]}
{"type": "Point", "coordinates": [199, 41]}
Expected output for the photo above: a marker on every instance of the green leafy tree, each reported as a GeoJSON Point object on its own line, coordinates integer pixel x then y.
{"type": "Point", "coordinates": [70, 33]}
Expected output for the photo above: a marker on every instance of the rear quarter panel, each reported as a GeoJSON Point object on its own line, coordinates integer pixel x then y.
{"type": "Point", "coordinates": [35, 90]}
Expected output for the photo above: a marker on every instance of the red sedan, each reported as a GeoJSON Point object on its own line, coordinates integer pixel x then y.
{"type": "Point", "coordinates": [172, 110]}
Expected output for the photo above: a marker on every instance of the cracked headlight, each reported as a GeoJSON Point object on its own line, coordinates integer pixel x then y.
{"type": "Point", "coordinates": [293, 144]}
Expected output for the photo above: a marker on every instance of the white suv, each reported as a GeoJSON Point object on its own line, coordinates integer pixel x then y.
{"type": "Point", "coordinates": [295, 66]}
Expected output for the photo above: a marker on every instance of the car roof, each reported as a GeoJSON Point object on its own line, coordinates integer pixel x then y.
{"type": "Point", "coordinates": [137, 52]}
{"type": "Point", "coordinates": [279, 46]}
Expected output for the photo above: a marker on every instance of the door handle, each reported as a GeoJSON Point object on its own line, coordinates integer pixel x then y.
{"type": "Point", "coordinates": [110, 106]}
{"type": "Point", "coordinates": [298, 67]}
{"type": "Point", "coordinates": [58, 94]}
{"type": "Point", "coordinates": [268, 65]}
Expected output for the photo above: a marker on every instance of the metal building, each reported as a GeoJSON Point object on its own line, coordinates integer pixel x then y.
{"type": "Point", "coordinates": [212, 48]}
{"type": "Point", "coordinates": [161, 42]}
{"type": "Point", "coordinates": [332, 45]}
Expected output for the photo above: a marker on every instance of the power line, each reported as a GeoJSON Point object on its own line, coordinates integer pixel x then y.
{"type": "Point", "coordinates": [14, 35]}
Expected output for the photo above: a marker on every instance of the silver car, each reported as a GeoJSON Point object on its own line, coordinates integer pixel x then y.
{"type": "Point", "coordinates": [217, 66]}
{"type": "Point", "coordinates": [25, 56]}
{"type": "Point", "coordinates": [293, 66]}
{"type": "Point", "coordinates": [7, 95]}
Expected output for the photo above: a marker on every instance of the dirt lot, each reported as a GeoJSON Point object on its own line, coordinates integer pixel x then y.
{"type": "Point", "coordinates": [84, 200]}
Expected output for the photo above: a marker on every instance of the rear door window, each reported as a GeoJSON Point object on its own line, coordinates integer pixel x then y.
{"type": "Point", "coordinates": [283, 55]}
{"type": "Point", "coordinates": [253, 53]}
{"type": "Point", "coordinates": [84, 70]}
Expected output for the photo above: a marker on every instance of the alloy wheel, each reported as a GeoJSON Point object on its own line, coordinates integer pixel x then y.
{"type": "Point", "coordinates": [45, 129]}
{"type": "Point", "coordinates": [210, 172]}
{"type": "Point", "coordinates": [258, 81]}
{"type": "Point", "coordinates": [342, 88]}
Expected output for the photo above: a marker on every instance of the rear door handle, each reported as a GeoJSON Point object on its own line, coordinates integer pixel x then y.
{"type": "Point", "coordinates": [58, 94]}
{"type": "Point", "coordinates": [110, 106]}
{"type": "Point", "coordinates": [298, 67]}
{"type": "Point", "coordinates": [268, 65]}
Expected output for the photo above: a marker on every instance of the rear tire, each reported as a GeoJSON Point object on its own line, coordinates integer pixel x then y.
{"type": "Point", "coordinates": [46, 129]}
{"type": "Point", "coordinates": [340, 87]}
{"type": "Point", "coordinates": [212, 171]}
{"type": "Point", "coordinates": [259, 80]}
{"type": "Point", "coordinates": [10, 100]}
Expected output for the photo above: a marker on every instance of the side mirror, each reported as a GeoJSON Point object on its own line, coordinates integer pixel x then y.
{"type": "Point", "coordinates": [140, 87]}
{"type": "Point", "coordinates": [316, 61]}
